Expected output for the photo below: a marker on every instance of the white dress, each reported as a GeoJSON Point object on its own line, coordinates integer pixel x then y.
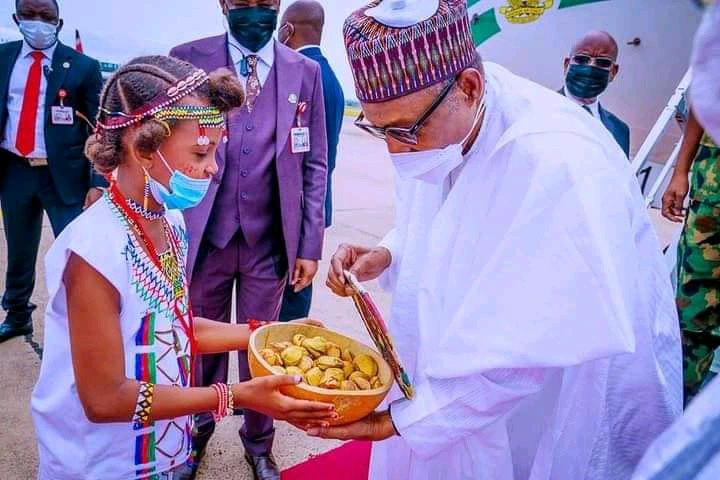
{"type": "Point", "coordinates": [531, 306]}
{"type": "Point", "coordinates": [156, 351]}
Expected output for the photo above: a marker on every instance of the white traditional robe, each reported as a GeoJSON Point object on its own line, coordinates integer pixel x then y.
{"type": "Point", "coordinates": [690, 448]}
{"type": "Point", "coordinates": [531, 305]}
{"type": "Point", "coordinates": [705, 94]}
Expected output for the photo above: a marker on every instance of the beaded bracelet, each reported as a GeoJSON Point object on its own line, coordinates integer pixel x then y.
{"type": "Point", "coordinates": [231, 401]}
{"type": "Point", "coordinates": [221, 410]}
{"type": "Point", "coordinates": [143, 406]}
{"type": "Point", "coordinates": [254, 324]}
{"type": "Point", "coordinates": [226, 401]}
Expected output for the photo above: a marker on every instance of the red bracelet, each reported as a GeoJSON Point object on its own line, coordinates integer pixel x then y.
{"type": "Point", "coordinates": [254, 324]}
{"type": "Point", "coordinates": [221, 390]}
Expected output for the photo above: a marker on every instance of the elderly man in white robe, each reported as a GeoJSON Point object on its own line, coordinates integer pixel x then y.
{"type": "Point", "coordinates": [531, 305]}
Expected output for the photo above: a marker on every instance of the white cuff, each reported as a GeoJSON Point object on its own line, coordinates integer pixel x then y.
{"type": "Point", "coordinates": [408, 416]}
{"type": "Point", "coordinates": [388, 278]}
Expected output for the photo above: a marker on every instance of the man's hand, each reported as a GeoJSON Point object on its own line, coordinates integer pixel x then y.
{"type": "Point", "coordinates": [365, 263]}
{"type": "Point", "coordinates": [375, 427]}
{"type": "Point", "coordinates": [304, 273]}
{"type": "Point", "coordinates": [93, 195]}
{"type": "Point", "coordinates": [672, 200]}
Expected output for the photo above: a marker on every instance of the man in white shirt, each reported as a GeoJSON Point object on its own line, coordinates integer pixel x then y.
{"type": "Point", "coordinates": [45, 90]}
{"type": "Point", "coordinates": [590, 68]}
{"type": "Point", "coordinates": [531, 305]}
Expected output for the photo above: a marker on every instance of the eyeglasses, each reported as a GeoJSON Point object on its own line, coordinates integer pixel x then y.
{"type": "Point", "coordinates": [407, 136]}
{"type": "Point", "coordinates": [601, 62]}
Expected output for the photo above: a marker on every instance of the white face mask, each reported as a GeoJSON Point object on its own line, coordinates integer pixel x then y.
{"type": "Point", "coordinates": [39, 35]}
{"type": "Point", "coordinates": [434, 166]}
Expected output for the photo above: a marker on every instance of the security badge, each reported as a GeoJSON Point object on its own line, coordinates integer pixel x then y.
{"type": "Point", "coordinates": [300, 136]}
{"type": "Point", "coordinates": [62, 115]}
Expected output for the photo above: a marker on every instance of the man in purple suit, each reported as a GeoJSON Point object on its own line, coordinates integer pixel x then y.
{"type": "Point", "coordinates": [261, 224]}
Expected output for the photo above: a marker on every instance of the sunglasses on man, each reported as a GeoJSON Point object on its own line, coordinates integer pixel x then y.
{"type": "Point", "coordinates": [601, 62]}
{"type": "Point", "coordinates": [407, 136]}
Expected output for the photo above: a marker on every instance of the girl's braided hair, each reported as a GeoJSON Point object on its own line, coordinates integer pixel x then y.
{"type": "Point", "coordinates": [135, 85]}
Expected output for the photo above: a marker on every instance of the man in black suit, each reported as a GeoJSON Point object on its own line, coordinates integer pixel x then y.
{"type": "Point", "coordinates": [589, 69]}
{"type": "Point", "coordinates": [45, 90]}
{"type": "Point", "coordinates": [302, 26]}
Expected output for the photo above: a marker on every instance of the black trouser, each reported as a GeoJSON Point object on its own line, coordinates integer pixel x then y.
{"type": "Point", "coordinates": [295, 305]}
{"type": "Point", "coordinates": [25, 192]}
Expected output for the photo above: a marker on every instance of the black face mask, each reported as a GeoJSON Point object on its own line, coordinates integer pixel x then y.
{"type": "Point", "coordinates": [252, 27]}
{"type": "Point", "coordinates": [586, 81]}
{"type": "Point", "coordinates": [702, 3]}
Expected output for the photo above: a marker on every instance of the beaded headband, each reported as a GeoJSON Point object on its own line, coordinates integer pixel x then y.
{"type": "Point", "coordinates": [207, 117]}
{"type": "Point", "coordinates": [163, 108]}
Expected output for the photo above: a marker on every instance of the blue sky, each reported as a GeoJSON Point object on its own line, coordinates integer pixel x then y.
{"type": "Point", "coordinates": [117, 30]}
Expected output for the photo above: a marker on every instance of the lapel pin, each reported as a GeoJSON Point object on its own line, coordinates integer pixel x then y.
{"type": "Point", "coordinates": [293, 98]}
{"type": "Point", "coordinates": [66, 65]}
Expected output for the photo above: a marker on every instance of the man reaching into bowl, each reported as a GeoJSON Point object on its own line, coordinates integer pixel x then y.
{"type": "Point", "coordinates": [531, 305]}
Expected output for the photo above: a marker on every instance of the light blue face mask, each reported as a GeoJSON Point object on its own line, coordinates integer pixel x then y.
{"type": "Point", "coordinates": [39, 35]}
{"type": "Point", "coordinates": [184, 193]}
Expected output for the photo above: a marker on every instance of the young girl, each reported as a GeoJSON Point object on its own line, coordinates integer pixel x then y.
{"type": "Point", "coordinates": [114, 397]}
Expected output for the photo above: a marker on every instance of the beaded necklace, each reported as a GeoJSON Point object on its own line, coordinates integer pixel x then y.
{"type": "Point", "coordinates": [144, 212]}
{"type": "Point", "coordinates": [168, 266]}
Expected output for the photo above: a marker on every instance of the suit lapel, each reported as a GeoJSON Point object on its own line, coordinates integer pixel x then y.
{"type": "Point", "coordinates": [604, 119]}
{"type": "Point", "coordinates": [6, 68]}
{"type": "Point", "coordinates": [288, 69]}
{"type": "Point", "coordinates": [61, 65]}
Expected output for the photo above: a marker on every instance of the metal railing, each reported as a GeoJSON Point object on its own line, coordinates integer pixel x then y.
{"type": "Point", "coordinates": [640, 162]}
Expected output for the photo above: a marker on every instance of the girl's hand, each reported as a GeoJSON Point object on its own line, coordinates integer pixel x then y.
{"type": "Point", "coordinates": [263, 395]}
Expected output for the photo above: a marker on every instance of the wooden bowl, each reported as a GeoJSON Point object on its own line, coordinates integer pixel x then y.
{"type": "Point", "coordinates": [349, 405]}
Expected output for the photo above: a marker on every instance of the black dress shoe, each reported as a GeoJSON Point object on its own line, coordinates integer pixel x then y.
{"type": "Point", "coordinates": [185, 472]}
{"type": "Point", "coordinates": [10, 330]}
{"type": "Point", "coordinates": [264, 468]}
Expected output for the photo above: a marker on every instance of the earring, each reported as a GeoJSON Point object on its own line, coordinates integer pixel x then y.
{"type": "Point", "coordinates": [203, 139]}
{"type": "Point", "coordinates": [166, 126]}
{"type": "Point", "coordinates": [146, 190]}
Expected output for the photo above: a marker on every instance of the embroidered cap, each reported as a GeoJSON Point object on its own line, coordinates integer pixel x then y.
{"type": "Point", "coordinates": [398, 47]}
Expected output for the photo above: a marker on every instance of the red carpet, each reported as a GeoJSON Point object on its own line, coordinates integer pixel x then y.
{"type": "Point", "coordinates": [349, 462]}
